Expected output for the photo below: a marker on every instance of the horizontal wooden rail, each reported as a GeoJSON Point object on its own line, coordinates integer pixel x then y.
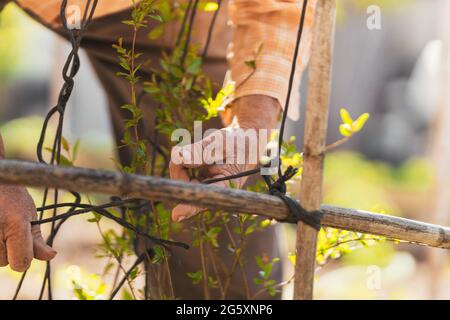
{"type": "Point", "coordinates": [159, 189]}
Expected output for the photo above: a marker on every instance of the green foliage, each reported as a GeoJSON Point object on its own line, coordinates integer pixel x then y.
{"type": "Point", "coordinates": [334, 243]}
{"type": "Point", "coordinates": [388, 6]}
{"type": "Point", "coordinates": [355, 182]}
{"type": "Point", "coordinates": [195, 276]}
{"type": "Point", "coordinates": [263, 279]}
{"type": "Point", "coordinates": [384, 4]}
{"type": "Point", "coordinates": [12, 27]}
{"type": "Point", "coordinates": [184, 95]}
{"type": "Point", "coordinates": [67, 159]}
{"type": "Point", "coordinates": [212, 106]}
{"type": "Point", "coordinates": [85, 287]}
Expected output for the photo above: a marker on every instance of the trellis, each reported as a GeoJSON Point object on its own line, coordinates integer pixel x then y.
{"type": "Point", "coordinates": [231, 200]}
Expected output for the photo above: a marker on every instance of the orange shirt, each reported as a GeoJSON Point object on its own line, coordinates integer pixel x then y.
{"type": "Point", "coordinates": [270, 23]}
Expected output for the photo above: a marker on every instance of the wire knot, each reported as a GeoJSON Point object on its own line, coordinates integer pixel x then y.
{"type": "Point", "coordinates": [297, 212]}
{"type": "Point", "coordinates": [279, 186]}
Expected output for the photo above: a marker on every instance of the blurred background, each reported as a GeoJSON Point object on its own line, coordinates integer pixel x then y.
{"type": "Point", "coordinates": [398, 164]}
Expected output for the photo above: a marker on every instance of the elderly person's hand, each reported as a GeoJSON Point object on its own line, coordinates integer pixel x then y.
{"type": "Point", "coordinates": [19, 241]}
{"type": "Point", "coordinates": [250, 112]}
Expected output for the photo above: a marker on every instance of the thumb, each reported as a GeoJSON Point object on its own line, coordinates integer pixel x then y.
{"type": "Point", "coordinates": [192, 155]}
{"type": "Point", "coordinates": [185, 211]}
{"type": "Point", "coordinates": [41, 250]}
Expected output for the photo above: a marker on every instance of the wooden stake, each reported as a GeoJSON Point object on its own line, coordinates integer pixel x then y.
{"type": "Point", "coordinates": [315, 134]}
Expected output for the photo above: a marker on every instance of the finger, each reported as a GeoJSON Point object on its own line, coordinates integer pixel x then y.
{"type": "Point", "coordinates": [193, 155]}
{"type": "Point", "coordinates": [40, 249]}
{"type": "Point", "coordinates": [186, 211]}
{"type": "Point", "coordinates": [3, 256]}
{"type": "Point", "coordinates": [19, 245]}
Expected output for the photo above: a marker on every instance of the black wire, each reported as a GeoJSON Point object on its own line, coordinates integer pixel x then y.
{"type": "Point", "coordinates": [211, 29]}
{"type": "Point", "coordinates": [70, 70]}
{"type": "Point", "coordinates": [278, 187]}
{"type": "Point", "coordinates": [286, 107]}
{"type": "Point", "coordinates": [189, 31]}
{"type": "Point", "coordinates": [183, 23]}
{"type": "Point", "coordinates": [291, 83]}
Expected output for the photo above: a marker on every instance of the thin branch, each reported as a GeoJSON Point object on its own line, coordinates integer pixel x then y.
{"type": "Point", "coordinates": [336, 144]}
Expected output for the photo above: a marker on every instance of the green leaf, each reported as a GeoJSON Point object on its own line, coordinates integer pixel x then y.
{"type": "Point", "coordinates": [195, 276]}
{"type": "Point", "coordinates": [126, 295]}
{"type": "Point", "coordinates": [151, 89]}
{"type": "Point", "coordinates": [177, 72]}
{"type": "Point", "coordinates": [213, 231]}
{"type": "Point", "coordinates": [65, 144]}
{"type": "Point", "coordinates": [75, 148]}
{"type": "Point", "coordinates": [156, 32]}
{"type": "Point", "coordinates": [64, 161]}
{"type": "Point", "coordinates": [156, 17]}
{"type": "Point", "coordinates": [345, 116]}
{"type": "Point", "coordinates": [251, 64]}
{"type": "Point", "coordinates": [194, 66]}
{"type": "Point", "coordinates": [260, 262]}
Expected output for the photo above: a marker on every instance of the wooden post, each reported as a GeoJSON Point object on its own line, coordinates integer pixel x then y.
{"type": "Point", "coordinates": [315, 135]}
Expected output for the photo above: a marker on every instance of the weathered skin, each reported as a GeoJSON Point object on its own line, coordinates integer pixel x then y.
{"type": "Point", "coordinates": [19, 242]}
{"type": "Point", "coordinates": [250, 112]}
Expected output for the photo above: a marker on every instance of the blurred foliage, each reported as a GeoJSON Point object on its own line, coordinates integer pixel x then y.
{"type": "Point", "coordinates": [92, 150]}
{"type": "Point", "coordinates": [361, 5]}
{"type": "Point", "coordinates": [13, 24]}
{"type": "Point", "coordinates": [380, 255]}
{"type": "Point", "coordinates": [263, 279]}
{"type": "Point", "coordinates": [85, 286]}
{"type": "Point", "coordinates": [354, 181]}
{"type": "Point", "coordinates": [16, 131]}
{"type": "Point", "coordinates": [384, 4]}
{"type": "Point", "coordinates": [334, 243]}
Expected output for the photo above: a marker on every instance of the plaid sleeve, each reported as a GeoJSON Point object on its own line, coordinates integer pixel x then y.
{"type": "Point", "coordinates": [48, 11]}
{"type": "Point", "coordinates": [272, 26]}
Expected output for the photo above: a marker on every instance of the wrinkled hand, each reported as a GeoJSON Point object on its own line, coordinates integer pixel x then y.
{"type": "Point", "coordinates": [19, 241]}
{"type": "Point", "coordinates": [250, 112]}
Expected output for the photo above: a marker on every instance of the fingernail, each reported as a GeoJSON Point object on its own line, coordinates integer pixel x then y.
{"type": "Point", "coordinates": [181, 218]}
